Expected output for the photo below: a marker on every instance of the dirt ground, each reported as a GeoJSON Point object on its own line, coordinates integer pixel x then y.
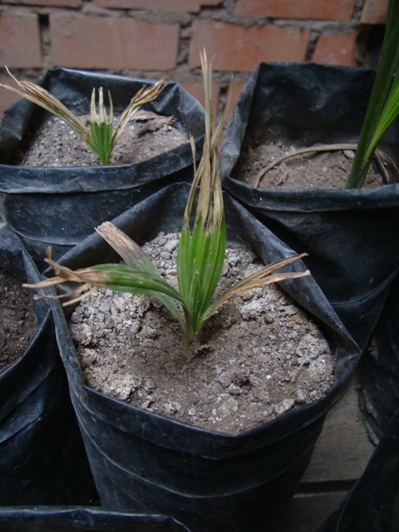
{"type": "Point", "coordinates": [260, 356]}
{"type": "Point", "coordinates": [17, 321]}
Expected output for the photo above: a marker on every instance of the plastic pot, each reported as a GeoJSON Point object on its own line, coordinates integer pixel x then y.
{"type": "Point", "coordinates": [206, 480]}
{"type": "Point", "coordinates": [48, 519]}
{"type": "Point", "coordinates": [59, 206]}
{"type": "Point", "coordinates": [351, 235]}
{"type": "Point", "coordinates": [373, 502]}
{"type": "Point", "coordinates": [379, 376]}
{"type": "Point", "coordinates": [42, 456]}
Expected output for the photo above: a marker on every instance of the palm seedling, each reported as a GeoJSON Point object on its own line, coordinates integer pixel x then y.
{"type": "Point", "coordinates": [99, 135]}
{"type": "Point", "coordinates": [200, 256]}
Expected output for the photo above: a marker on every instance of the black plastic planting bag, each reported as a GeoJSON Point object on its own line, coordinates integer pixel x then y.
{"type": "Point", "coordinates": [48, 519]}
{"type": "Point", "coordinates": [206, 480]}
{"type": "Point", "coordinates": [42, 456]}
{"type": "Point", "coordinates": [59, 206]}
{"type": "Point", "coordinates": [379, 390]}
{"type": "Point", "coordinates": [351, 236]}
{"type": "Point", "coordinates": [373, 503]}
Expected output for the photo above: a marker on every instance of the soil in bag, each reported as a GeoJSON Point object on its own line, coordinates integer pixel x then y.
{"type": "Point", "coordinates": [350, 235]}
{"type": "Point", "coordinates": [17, 319]}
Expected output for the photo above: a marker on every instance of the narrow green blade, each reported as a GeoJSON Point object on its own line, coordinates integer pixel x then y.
{"type": "Point", "coordinates": [380, 92]}
{"type": "Point", "coordinates": [100, 140]}
{"type": "Point", "coordinates": [215, 251]}
{"type": "Point", "coordinates": [124, 279]}
{"type": "Point", "coordinates": [137, 260]}
{"type": "Point", "coordinates": [388, 115]}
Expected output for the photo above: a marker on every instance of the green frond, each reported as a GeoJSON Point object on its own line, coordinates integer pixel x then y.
{"type": "Point", "coordinates": [137, 260]}
{"type": "Point", "coordinates": [383, 105]}
{"type": "Point", "coordinates": [202, 247]}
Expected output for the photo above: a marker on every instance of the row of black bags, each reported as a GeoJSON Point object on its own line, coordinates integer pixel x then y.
{"type": "Point", "coordinates": [151, 465]}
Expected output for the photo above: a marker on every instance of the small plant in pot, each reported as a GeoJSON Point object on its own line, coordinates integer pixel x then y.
{"type": "Point", "coordinates": [200, 257]}
{"type": "Point", "coordinates": [316, 112]}
{"type": "Point", "coordinates": [44, 180]}
{"type": "Point", "coordinates": [155, 460]}
{"type": "Point", "coordinates": [99, 135]}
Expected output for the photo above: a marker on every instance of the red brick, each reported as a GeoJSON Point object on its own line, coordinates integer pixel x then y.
{"type": "Point", "coordinates": [336, 49]}
{"type": "Point", "coordinates": [192, 6]}
{"type": "Point", "coordinates": [235, 90]}
{"type": "Point", "coordinates": [374, 12]}
{"type": "Point", "coordinates": [20, 41]}
{"type": "Point", "coordinates": [302, 9]}
{"type": "Point", "coordinates": [112, 43]}
{"type": "Point", "coordinates": [197, 90]}
{"type": "Point", "coordinates": [239, 48]}
{"type": "Point", "coordinates": [47, 3]}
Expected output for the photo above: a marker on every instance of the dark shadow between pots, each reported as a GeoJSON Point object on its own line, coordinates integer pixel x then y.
{"type": "Point", "coordinates": [42, 456]}
{"type": "Point", "coordinates": [372, 504]}
{"type": "Point", "coordinates": [379, 376]}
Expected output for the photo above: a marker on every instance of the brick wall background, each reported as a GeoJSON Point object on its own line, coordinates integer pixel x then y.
{"type": "Point", "coordinates": [151, 38]}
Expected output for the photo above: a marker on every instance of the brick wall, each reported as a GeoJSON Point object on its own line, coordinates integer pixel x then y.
{"type": "Point", "coordinates": [151, 38]}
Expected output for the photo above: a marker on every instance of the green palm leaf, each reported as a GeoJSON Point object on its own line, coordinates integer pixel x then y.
{"type": "Point", "coordinates": [383, 105]}
{"type": "Point", "coordinates": [138, 261]}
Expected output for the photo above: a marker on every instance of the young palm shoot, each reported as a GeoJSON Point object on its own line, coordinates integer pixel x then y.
{"type": "Point", "coordinates": [383, 105]}
{"type": "Point", "coordinates": [99, 135]}
{"type": "Point", "coordinates": [200, 255]}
